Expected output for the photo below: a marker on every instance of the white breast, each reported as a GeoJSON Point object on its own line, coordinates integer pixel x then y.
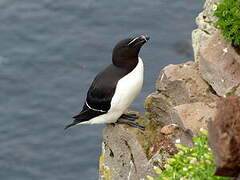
{"type": "Point", "coordinates": [126, 91]}
{"type": "Point", "coordinates": [128, 88]}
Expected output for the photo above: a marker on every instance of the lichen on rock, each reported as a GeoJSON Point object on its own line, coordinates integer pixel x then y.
{"type": "Point", "coordinates": [205, 22]}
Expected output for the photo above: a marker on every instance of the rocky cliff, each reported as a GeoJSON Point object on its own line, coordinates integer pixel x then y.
{"type": "Point", "coordinates": [184, 101]}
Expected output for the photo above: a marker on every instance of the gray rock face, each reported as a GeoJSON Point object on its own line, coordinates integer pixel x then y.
{"type": "Point", "coordinates": [179, 89]}
{"type": "Point", "coordinates": [220, 65]}
{"type": "Point", "coordinates": [205, 22]}
{"type": "Point", "coordinates": [122, 155]}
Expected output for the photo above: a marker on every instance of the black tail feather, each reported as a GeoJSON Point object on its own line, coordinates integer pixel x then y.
{"type": "Point", "coordinates": [77, 119]}
{"type": "Point", "coordinates": [69, 125]}
{"type": "Point", "coordinates": [84, 115]}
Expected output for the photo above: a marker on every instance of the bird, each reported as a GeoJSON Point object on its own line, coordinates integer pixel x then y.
{"type": "Point", "coordinates": [114, 89]}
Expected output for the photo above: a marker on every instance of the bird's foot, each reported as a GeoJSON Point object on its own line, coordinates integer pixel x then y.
{"type": "Point", "coordinates": [130, 123]}
{"type": "Point", "coordinates": [131, 117]}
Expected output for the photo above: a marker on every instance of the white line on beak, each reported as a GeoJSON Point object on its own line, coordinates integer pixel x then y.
{"type": "Point", "coordinates": [132, 41]}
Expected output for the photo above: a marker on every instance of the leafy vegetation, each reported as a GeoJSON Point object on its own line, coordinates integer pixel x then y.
{"type": "Point", "coordinates": [228, 13]}
{"type": "Point", "coordinates": [194, 163]}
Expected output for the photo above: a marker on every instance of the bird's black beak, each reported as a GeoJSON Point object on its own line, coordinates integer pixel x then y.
{"type": "Point", "coordinates": [144, 38]}
{"type": "Point", "coordinates": [140, 40]}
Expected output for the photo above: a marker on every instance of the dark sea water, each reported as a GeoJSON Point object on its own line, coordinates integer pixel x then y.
{"type": "Point", "coordinates": [50, 50]}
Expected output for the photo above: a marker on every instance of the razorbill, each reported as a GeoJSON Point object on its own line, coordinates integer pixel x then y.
{"type": "Point", "coordinates": [114, 89]}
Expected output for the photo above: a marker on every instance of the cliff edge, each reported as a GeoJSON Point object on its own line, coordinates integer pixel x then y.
{"type": "Point", "coordinates": [184, 101]}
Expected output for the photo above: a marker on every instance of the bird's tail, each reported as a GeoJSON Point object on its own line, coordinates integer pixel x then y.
{"type": "Point", "coordinates": [77, 119]}
{"type": "Point", "coordinates": [69, 125]}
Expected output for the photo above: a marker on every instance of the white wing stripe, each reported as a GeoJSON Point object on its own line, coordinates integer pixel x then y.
{"type": "Point", "coordinates": [99, 110]}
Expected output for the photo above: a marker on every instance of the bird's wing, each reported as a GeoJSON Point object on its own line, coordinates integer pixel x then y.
{"type": "Point", "coordinates": [85, 115]}
{"type": "Point", "coordinates": [100, 94]}
{"type": "Point", "coordinates": [103, 87]}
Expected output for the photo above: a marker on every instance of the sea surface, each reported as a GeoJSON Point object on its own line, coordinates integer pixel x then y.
{"type": "Point", "coordinates": [50, 51]}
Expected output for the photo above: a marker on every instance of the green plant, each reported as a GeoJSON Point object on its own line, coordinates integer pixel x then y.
{"type": "Point", "coordinates": [228, 13]}
{"type": "Point", "coordinates": [194, 163]}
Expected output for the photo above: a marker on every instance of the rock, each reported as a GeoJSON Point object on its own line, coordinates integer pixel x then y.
{"type": "Point", "coordinates": [182, 97]}
{"type": "Point", "coordinates": [184, 101]}
{"type": "Point", "coordinates": [209, 7]}
{"type": "Point", "coordinates": [205, 22]}
{"type": "Point", "coordinates": [169, 129]}
{"type": "Point", "coordinates": [185, 80]}
{"type": "Point", "coordinates": [238, 178]}
{"type": "Point", "coordinates": [122, 155]}
{"type": "Point", "coordinates": [128, 153]}
{"type": "Point", "coordinates": [157, 108]}
{"type": "Point", "coordinates": [177, 85]}
{"type": "Point", "coordinates": [220, 65]}
{"type": "Point", "coordinates": [193, 116]}
{"type": "Point", "coordinates": [224, 137]}
{"type": "Point", "coordinates": [198, 36]}
{"type": "Point", "coordinates": [165, 147]}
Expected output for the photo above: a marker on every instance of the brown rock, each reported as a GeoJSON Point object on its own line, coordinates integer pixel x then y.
{"type": "Point", "coordinates": [224, 137]}
{"type": "Point", "coordinates": [183, 83]}
{"type": "Point", "coordinates": [220, 65]}
{"type": "Point", "coordinates": [193, 116]}
{"type": "Point", "coordinates": [169, 129]}
{"type": "Point", "coordinates": [177, 85]}
{"type": "Point", "coordinates": [165, 147]}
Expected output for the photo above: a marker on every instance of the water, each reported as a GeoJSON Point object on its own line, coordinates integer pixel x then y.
{"type": "Point", "coordinates": [50, 50]}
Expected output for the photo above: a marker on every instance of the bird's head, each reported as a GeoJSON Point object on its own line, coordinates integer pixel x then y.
{"type": "Point", "coordinates": [128, 49]}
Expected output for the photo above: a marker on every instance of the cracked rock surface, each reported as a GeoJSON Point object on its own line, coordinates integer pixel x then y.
{"type": "Point", "coordinates": [220, 65]}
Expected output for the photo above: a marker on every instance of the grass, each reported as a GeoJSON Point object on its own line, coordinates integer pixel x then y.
{"type": "Point", "coordinates": [194, 163]}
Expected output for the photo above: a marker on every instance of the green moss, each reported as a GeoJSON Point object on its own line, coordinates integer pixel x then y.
{"type": "Point", "coordinates": [152, 126]}
{"type": "Point", "coordinates": [149, 137]}
{"type": "Point", "coordinates": [148, 101]}
{"type": "Point", "coordinates": [233, 91]}
{"type": "Point", "coordinates": [228, 13]}
{"type": "Point", "coordinates": [147, 114]}
{"type": "Point", "coordinates": [149, 104]}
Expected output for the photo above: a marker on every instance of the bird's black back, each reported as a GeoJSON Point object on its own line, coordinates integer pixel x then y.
{"type": "Point", "coordinates": [100, 93]}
